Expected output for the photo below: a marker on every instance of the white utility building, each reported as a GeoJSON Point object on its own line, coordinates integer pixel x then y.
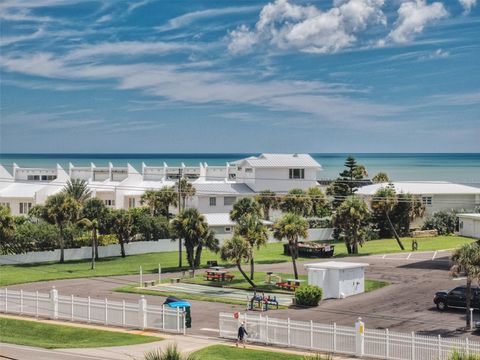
{"type": "Point", "coordinates": [338, 279]}
{"type": "Point", "coordinates": [469, 225]}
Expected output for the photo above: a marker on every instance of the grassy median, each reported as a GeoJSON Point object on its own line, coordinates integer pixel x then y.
{"type": "Point", "coordinates": [222, 352]}
{"type": "Point", "coordinates": [50, 336]}
{"type": "Point", "coordinates": [272, 253]}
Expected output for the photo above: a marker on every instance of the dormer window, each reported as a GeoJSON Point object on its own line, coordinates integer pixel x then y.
{"type": "Point", "coordinates": [297, 173]}
{"type": "Point", "coordinates": [248, 170]}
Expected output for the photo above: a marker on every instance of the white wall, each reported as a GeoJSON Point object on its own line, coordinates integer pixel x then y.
{"type": "Point", "coordinates": [278, 180]}
{"type": "Point", "coordinates": [469, 227]}
{"type": "Point", "coordinates": [452, 202]}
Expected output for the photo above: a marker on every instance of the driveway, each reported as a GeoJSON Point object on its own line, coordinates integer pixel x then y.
{"type": "Point", "coordinates": [405, 305]}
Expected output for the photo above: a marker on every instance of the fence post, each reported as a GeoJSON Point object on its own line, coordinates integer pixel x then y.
{"type": "Point", "coordinates": [359, 337]}
{"type": "Point", "coordinates": [141, 276]}
{"type": "Point", "coordinates": [413, 345]}
{"type": "Point", "coordinates": [334, 336]}
{"type": "Point", "coordinates": [178, 319]}
{"type": "Point", "coordinates": [184, 317]}
{"type": "Point", "coordinates": [54, 302]}
{"type": "Point", "coordinates": [387, 344]}
{"type": "Point", "coordinates": [142, 312]}
{"type": "Point", "coordinates": [71, 307]}
{"type": "Point", "coordinates": [36, 304]}
{"type": "Point", "coordinates": [439, 346]}
{"type": "Point", "coordinates": [467, 346]}
{"type": "Point", "coordinates": [21, 301]}
{"type": "Point", "coordinates": [6, 300]}
{"type": "Point", "coordinates": [106, 311]}
{"type": "Point", "coordinates": [159, 274]}
{"type": "Point", "coordinates": [123, 313]}
{"type": "Point", "coordinates": [311, 334]}
{"type": "Point", "coordinates": [266, 329]}
{"type": "Point", "coordinates": [88, 309]}
{"type": "Point", "coordinates": [163, 317]}
{"type": "Point", "coordinates": [288, 332]}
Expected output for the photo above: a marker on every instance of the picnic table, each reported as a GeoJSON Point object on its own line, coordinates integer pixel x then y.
{"type": "Point", "coordinates": [218, 275]}
{"type": "Point", "coordinates": [290, 284]}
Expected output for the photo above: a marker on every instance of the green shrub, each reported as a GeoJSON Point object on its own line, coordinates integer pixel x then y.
{"type": "Point", "coordinates": [170, 353]}
{"type": "Point", "coordinates": [444, 222]}
{"type": "Point", "coordinates": [308, 295]}
{"type": "Point", "coordinates": [457, 355]}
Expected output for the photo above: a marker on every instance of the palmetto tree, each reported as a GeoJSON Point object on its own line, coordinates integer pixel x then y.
{"type": "Point", "coordinates": [237, 250]}
{"type": "Point", "coordinates": [384, 201]}
{"type": "Point", "coordinates": [121, 223]}
{"type": "Point", "coordinates": [78, 190]}
{"type": "Point", "coordinates": [319, 202]}
{"type": "Point", "coordinates": [381, 177]}
{"type": "Point", "coordinates": [91, 225]}
{"type": "Point", "coordinates": [291, 227]}
{"type": "Point", "coordinates": [296, 201]}
{"type": "Point", "coordinates": [151, 198]}
{"type": "Point", "coordinates": [186, 190]}
{"type": "Point", "coordinates": [267, 200]}
{"type": "Point", "coordinates": [61, 209]}
{"type": "Point", "coordinates": [167, 197]}
{"type": "Point", "coordinates": [251, 228]}
{"type": "Point", "coordinates": [7, 229]}
{"type": "Point", "coordinates": [244, 206]}
{"type": "Point", "coordinates": [350, 218]}
{"type": "Point", "coordinates": [94, 209]}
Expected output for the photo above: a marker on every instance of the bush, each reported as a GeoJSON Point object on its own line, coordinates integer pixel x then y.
{"type": "Point", "coordinates": [444, 222]}
{"type": "Point", "coordinates": [38, 236]}
{"type": "Point", "coordinates": [308, 295]}
{"type": "Point", "coordinates": [457, 355]}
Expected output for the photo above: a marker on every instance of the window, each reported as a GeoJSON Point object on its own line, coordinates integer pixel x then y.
{"type": "Point", "coordinates": [48, 177]}
{"type": "Point", "coordinates": [228, 229]}
{"type": "Point", "coordinates": [7, 205]}
{"type": "Point", "coordinates": [131, 203]}
{"type": "Point", "coordinates": [24, 207]}
{"type": "Point", "coordinates": [297, 173]}
{"type": "Point", "coordinates": [427, 200]}
{"type": "Point", "coordinates": [213, 201]}
{"type": "Point", "coordinates": [33, 177]}
{"type": "Point", "coordinates": [248, 170]}
{"type": "Point", "coordinates": [110, 202]}
{"type": "Point", "coordinates": [229, 200]}
{"type": "Point", "coordinates": [457, 292]}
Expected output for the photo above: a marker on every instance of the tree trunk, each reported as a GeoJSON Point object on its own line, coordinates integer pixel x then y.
{"type": "Point", "coordinates": [348, 246]}
{"type": "Point", "coordinates": [184, 198]}
{"type": "Point", "coordinates": [62, 245]}
{"type": "Point", "coordinates": [394, 232]}
{"type": "Point", "coordinates": [266, 210]}
{"type": "Point", "coordinates": [355, 247]}
{"type": "Point", "coordinates": [122, 247]}
{"type": "Point", "coordinates": [94, 246]}
{"type": "Point", "coordinates": [190, 258]}
{"type": "Point", "coordinates": [180, 257]}
{"type": "Point", "coordinates": [468, 294]}
{"type": "Point", "coordinates": [252, 284]}
{"type": "Point", "coordinates": [252, 266]}
{"type": "Point", "coordinates": [294, 263]}
{"type": "Point", "coordinates": [198, 256]}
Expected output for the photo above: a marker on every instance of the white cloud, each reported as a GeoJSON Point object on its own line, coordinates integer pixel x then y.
{"type": "Point", "coordinates": [307, 28]}
{"type": "Point", "coordinates": [186, 19]}
{"type": "Point", "coordinates": [7, 40]}
{"type": "Point", "coordinates": [105, 18]}
{"type": "Point", "coordinates": [437, 54]}
{"type": "Point", "coordinates": [468, 5]}
{"type": "Point", "coordinates": [413, 16]}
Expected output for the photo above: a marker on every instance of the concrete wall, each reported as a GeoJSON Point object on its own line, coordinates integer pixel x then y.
{"type": "Point", "coordinates": [278, 180]}
{"type": "Point", "coordinates": [469, 227]}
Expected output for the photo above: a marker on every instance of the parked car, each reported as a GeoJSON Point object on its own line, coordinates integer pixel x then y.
{"type": "Point", "coordinates": [457, 298]}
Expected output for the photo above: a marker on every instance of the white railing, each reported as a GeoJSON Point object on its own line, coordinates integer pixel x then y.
{"type": "Point", "coordinates": [382, 344]}
{"type": "Point", "coordinates": [88, 310]}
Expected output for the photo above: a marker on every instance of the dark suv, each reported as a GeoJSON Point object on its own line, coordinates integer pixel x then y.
{"type": "Point", "coordinates": [457, 298]}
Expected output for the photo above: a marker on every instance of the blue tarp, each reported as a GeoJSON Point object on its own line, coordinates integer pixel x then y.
{"type": "Point", "coordinates": [179, 304]}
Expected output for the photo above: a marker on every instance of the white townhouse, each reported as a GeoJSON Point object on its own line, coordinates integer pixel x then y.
{"type": "Point", "coordinates": [435, 195]}
{"type": "Point", "coordinates": [217, 187]}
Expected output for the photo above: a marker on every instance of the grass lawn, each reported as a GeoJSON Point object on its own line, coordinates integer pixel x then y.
{"type": "Point", "coordinates": [223, 352]}
{"type": "Point", "coordinates": [272, 253]}
{"type": "Point", "coordinates": [50, 336]}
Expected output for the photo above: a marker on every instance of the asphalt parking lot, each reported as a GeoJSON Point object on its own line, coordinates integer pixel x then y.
{"type": "Point", "coordinates": [405, 305]}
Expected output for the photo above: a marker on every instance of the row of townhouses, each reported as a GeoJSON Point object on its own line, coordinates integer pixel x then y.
{"type": "Point", "coordinates": [217, 187]}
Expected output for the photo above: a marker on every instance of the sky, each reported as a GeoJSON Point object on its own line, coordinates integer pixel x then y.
{"type": "Point", "coordinates": [239, 76]}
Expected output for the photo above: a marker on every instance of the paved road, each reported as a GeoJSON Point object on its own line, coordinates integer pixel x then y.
{"type": "Point", "coordinates": [405, 305]}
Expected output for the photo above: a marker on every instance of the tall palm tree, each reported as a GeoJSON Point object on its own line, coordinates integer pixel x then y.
{"type": "Point", "coordinates": [186, 190]}
{"type": "Point", "coordinates": [152, 199]}
{"type": "Point", "coordinates": [121, 223]}
{"type": "Point", "coordinates": [91, 225]}
{"type": "Point", "coordinates": [208, 241]}
{"type": "Point", "coordinates": [61, 209]}
{"type": "Point", "coordinates": [191, 226]}
{"type": "Point", "coordinates": [244, 206]}
{"type": "Point", "coordinates": [267, 200]}
{"type": "Point", "coordinates": [466, 261]}
{"type": "Point", "coordinates": [254, 233]}
{"type": "Point", "coordinates": [319, 202]}
{"type": "Point", "coordinates": [384, 201]}
{"type": "Point", "coordinates": [291, 227]}
{"type": "Point", "coordinates": [78, 190]}
{"type": "Point", "coordinates": [237, 250]}
{"type": "Point", "coordinates": [351, 217]}
{"type": "Point", "coordinates": [95, 209]}
{"type": "Point", "coordinates": [296, 201]}
{"type": "Point", "coordinates": [167, 197]}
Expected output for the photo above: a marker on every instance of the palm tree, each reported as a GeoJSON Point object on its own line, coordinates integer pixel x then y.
{"type": "Point", "coordinates": [91, 225]}
{"type": "Point", "coordinates": [381, 177]}
{"type": "Point", "coordinates": [152, 199]}
{"type": "Point", "coordinates": [296, 201]}
{"type": "Point", "coordinates": [466, 261]}
{"type": "Point", "coordinates": [61, 209]}
{"type": "Point", "coordinates": [350, 218]}
{"type": "Point", "coordinates": [237, 250]}
{"type": "Point", "coordinates": [191, 226]}
{"type": "Point", "coordinates": [167, 197]}
{"type": "Point", "coordinates": [384, 201]}
{"type": "Point", "coordinates": [95, 209]}
{"type": "Point", "coordinates": [208, 241]}
{"type": "Point", "coordinates": [244, 206]}
{"type": "Point", "coordinates": [267, 200]}
{"type": "Point", "coordinates": [291, 227]}
{"type": "Point", "coordinates": [121, 223]}
{"type": "Point", "coordinates": [319, 202]}
{"type": "Point", "coordinates": [186, 190]}
{"type": "Point", "coordinates": [78, 190]}
{"type": "Point", "coordinates": [251, 228]}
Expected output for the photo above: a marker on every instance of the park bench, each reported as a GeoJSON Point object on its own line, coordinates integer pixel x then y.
{"type": "Point", "coordinates": [286, 286]}
{"type": "Point", "coordinates": [174, 280]}
{"type": "Point", "coordinates": [149, 283]}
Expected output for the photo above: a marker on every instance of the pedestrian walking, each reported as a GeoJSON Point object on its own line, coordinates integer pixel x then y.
{"type": "Point", "coordinates": [241, 335]}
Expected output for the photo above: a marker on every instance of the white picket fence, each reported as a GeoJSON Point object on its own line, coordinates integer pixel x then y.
{"type": "Point", "coordinates": [106, 312]}
{"type": "Point", "coordinates": [382, 344]}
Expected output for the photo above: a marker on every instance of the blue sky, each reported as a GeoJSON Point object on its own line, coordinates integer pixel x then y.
{"type": "Point", "coordinates": [240, 76]}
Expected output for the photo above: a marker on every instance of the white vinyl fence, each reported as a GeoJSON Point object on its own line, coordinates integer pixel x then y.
{"type": "Point", "coordinates": [382, 344]}
{"type": "Point", "coordinates": [105, 312]}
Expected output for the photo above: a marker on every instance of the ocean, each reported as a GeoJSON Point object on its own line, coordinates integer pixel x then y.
{"type": "Point", "coordinates": [456, 167]}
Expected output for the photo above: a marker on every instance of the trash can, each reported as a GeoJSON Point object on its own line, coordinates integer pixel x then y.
{"type": "Point", "coordinates": [175, 303]}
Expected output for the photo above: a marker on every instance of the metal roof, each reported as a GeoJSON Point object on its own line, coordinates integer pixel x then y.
{"type": "Point", "coordinates": [21, 190]}
{"type": "Point", "coordinates": [221, 188]}
{"type": "Point", "coordinates": [469, 216]}
{"type": "Point", "coordinates": [282, 161]}
{"type": "Point", "coordinates": [422, 188]}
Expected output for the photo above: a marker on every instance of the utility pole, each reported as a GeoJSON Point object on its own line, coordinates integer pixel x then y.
{"type": "Point", "coordinates": [179, 210]}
